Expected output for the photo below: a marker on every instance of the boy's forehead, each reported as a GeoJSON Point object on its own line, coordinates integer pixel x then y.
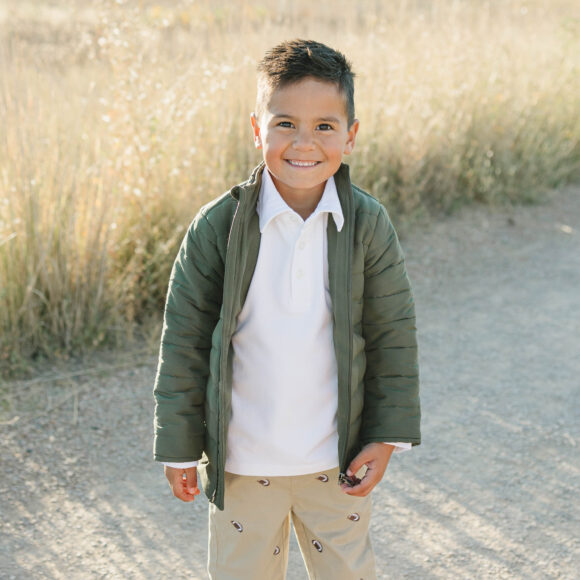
{"type": "Point", "coordinates": [306, 96]}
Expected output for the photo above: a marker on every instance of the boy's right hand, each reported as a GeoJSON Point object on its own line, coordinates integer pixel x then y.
{"type": "Point", "coordinates": [183, 482]}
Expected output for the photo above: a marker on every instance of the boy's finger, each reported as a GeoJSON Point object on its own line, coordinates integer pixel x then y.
{"type": "Point", "coordinates": [180, 491]}
{"type": "Point", "coordinates": [369, 454]}
{"type": "Point", "coordinates": [177, 484]}
{"type": "Point", "coordinates": [183, 494]}
{"type": "Point", "coordinates": [357, 463]}
{"type": "Point", "coordinates": [191, 480]}
{"type": "Point", "coordinates": [362, 489]}
{"type": "Point", "coordinates": [366, 485]}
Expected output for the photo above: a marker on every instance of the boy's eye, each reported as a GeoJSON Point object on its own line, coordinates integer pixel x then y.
{"type": "Point", "coordinates": [325, 127]}
{"type": "Point", "coordinates": [285, 124]}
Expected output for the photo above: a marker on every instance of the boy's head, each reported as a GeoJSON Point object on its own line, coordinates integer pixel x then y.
{"type": "Point", "coordinates": [296, 60]}
{"type": "Point", "coordinates": [304, 122]}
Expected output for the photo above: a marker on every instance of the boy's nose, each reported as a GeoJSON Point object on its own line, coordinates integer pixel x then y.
{"type": "Point", "coordinates": [303, 141]}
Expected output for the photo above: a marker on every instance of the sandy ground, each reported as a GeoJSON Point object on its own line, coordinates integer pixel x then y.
{"type": "Point", "coordinates": [491, 493]}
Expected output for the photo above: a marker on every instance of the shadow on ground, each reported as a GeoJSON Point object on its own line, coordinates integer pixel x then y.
{"type": "Point", "coordinates": [491, 493]}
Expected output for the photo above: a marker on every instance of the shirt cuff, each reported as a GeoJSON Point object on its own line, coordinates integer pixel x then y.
{"type": "Point", "coordinates": [399, 447]}
{"type": "Point", "coordinates": [184, 465]}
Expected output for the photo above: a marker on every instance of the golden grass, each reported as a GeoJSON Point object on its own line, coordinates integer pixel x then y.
{"type": "Point", "coordinates": [119, 119]}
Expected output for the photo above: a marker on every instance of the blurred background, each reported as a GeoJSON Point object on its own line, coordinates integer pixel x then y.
{"type": "Point", "coordinates": [119, 119]}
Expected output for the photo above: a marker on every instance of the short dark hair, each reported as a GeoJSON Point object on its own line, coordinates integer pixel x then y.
{"type": "Point", "coordinates": [296, 60]}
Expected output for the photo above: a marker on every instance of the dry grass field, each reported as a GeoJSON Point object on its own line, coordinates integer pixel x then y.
{"type": "Point", "coordinates": [118, 119]}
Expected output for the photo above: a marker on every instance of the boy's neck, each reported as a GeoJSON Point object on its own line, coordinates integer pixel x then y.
{"type": "Point", "coordinates": [303, 207]}
{"type": "Point", "coordinates": [303, 202]}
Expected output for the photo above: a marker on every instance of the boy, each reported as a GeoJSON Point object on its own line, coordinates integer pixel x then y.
{"type": "Point", "coordinates": [288, 359]}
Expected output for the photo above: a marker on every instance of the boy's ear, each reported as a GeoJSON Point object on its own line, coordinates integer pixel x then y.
{"type": "Point", "coordinates": [351, 139]}
{"type": "Point", "coordinates": [256, 130]}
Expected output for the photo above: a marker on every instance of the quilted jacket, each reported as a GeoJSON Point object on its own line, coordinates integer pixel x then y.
{"type": "Point", "coordinates": [374, 330]}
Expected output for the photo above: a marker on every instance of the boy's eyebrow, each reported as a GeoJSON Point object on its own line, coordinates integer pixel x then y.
{"type": "Point", "coordinates": [329, 120]}
{"type": "Point", "coordinates": [319, 120]}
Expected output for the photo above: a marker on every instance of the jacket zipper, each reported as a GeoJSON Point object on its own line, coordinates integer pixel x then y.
{"type": "Point", "coordinates": [344, 466]}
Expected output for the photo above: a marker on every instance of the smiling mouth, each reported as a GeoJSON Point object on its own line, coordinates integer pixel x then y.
{"type": "Point", "coordinates": [296, 163]}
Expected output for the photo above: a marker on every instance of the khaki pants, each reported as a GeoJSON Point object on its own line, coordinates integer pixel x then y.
{"type": "Point", "coordinates": [249, 540]}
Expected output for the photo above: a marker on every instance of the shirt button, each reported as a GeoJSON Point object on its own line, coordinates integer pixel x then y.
{"type": "Point", "coordinates": [301, 245]}
{"type": "Point", "coordinates": [299, 274]}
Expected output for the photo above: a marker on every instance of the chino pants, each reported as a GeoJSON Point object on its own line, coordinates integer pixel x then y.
{"type": "Point", "coordinates": [249, 540]}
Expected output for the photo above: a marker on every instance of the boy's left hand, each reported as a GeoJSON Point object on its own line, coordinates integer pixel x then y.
{"type": "Point", "coordinates": [376, 457]}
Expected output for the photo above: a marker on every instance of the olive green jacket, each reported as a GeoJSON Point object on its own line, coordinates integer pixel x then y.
{"type": "Point", "coordinates": [374, 330]}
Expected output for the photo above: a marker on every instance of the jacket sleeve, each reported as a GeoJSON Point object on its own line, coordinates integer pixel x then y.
{"type": "Point", "coordinates": [191, 313]}
{"type": "Point", "coordinates": [391, 406]}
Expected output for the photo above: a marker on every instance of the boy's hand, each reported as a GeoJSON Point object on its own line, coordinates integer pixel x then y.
{"type": "Point", "coordinates": [183, 482]}
{"type": "Point", "coordinates": [376, 457]}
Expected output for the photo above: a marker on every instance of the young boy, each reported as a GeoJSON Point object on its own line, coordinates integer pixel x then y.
{"type": "Point", "coordinates": [288, 358]}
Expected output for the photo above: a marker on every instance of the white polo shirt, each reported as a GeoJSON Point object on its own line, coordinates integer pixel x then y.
{"type": "Point", "coordinates": [285, 387]}
{"type": "Point", "coordinates": [284, 394]}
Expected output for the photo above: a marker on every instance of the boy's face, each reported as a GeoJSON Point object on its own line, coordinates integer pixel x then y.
{"type": "Point", "coordinates": [303, 133]}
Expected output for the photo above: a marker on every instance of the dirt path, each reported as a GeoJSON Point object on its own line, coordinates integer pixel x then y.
{"type": "Point", "coordinates": [492, 492]}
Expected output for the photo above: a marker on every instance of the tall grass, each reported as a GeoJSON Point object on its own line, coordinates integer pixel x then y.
{"type": "Point", "coordinates": [119, 119]}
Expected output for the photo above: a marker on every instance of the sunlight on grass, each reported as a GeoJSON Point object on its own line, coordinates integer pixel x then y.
{"type": "Point", "coordinates": [119, 119]}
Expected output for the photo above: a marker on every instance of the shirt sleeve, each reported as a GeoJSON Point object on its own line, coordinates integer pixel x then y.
{"type": "Point", "coordinates": [180, 465]}
{"type": "Point", "coordinates": [399, 447]}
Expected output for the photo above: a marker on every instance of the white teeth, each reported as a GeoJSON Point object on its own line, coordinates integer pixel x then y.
{"type": "Point", "coordinates": [303, 163]}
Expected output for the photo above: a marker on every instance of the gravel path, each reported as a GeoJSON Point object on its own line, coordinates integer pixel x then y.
{"type": "Point", "coordinates": [492, 492]}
